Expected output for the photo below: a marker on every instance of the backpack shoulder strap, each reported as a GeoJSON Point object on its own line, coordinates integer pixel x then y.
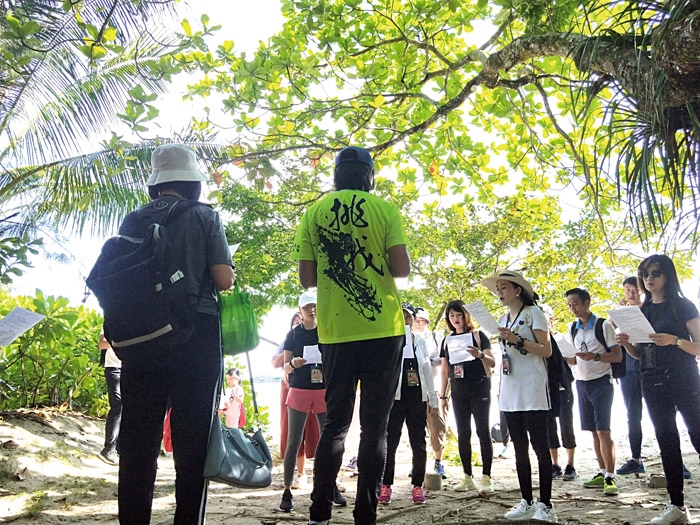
{"type": "Point", "coordinates": [573, 330]}
{"type": "Point", "coordinates": [599, 333]}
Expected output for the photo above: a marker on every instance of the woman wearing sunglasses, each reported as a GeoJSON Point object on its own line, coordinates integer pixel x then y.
{"type": "Point", "coordinates": [669, 373]}
{"type": "Point", "coordinates": [524, 396]}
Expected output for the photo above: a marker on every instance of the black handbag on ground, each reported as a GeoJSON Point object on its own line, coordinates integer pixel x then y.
{"type": "Point", "coordinates": [234, 457]}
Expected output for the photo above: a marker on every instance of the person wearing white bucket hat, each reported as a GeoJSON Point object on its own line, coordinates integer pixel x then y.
{"type": "Point", "coordinates": [524, 393]}
{"type": "Point", "coordinates": [187, 372]}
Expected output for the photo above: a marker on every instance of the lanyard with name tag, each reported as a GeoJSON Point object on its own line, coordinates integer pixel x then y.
{"type": "Point", "coordinates": [316, 375]}
{"type": "Point", "coordinates": [412, 377]}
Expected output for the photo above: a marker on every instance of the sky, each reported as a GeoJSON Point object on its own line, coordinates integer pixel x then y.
{"type": "Point", "coordinates": [246, 23]}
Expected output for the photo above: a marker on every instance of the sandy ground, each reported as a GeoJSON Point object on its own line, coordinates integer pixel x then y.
{"type": "Point", "coordinates": [54, 476]}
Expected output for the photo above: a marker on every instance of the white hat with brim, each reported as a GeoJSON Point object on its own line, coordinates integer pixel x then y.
{"type": "Point", "coordinates": [422, 313]}
{"type": "Point", "coordinates": [507, 275]}
{"type": "Point", "coordinates": [307, 298]}
{"type": "Point", "coordinates": [174, 163]}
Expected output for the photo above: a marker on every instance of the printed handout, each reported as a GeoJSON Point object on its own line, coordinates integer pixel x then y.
{"type": "Point", "coordinates": [631, 321]}
{"type": "Point", "coordinates": [566, 348]}
{"type": "Point", "coordinates": [312, 355]}
{"type": "Point", "coordinates": [482, 316]}
{"type": "Point", "coordinates": [457, 346]}
{"type": "Point", "coordinates": [15, 323]}
{"type": "Point", "coordinates": [408, 347]}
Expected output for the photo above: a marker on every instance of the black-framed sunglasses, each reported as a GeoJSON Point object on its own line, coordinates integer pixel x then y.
{"type": "Point", "coordinates": [654, 275]}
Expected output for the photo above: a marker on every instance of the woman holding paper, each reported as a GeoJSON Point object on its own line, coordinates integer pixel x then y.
{"type": "Point", "coordinates": [467, 362]}
{"type": "Point", "coordinates": [524, 396]}
{"type": "Point", "coordinates": [307, 390]}
{"type": "Point", "coordinates": [669, 373]}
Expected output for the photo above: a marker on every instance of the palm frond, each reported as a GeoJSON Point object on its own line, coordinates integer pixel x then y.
{"type": "Point", "coordinates": [72, 109]}
{"type": "Point", "coordinates": [96, 189]}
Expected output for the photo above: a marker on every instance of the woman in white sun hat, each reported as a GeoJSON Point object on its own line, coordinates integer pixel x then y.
{"type": "Point", "coordinates": [186, 373]}
{"type": "Point", "coordinates": [524, 395]}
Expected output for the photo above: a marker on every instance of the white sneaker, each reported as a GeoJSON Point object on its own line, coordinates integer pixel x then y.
{"type": "Point", "coordinates": [671, 514]}
{"type": "Point", "coordinates": [545, 513]}
{"type": "Point", "coordinates": [522, 511]}
{"type": "Point", "coordinates": [505, 453]}
{"type": "Point", "coordinates": [486, 485]}
{"type": "Point", "coordinates": [466, 484]}
{"type": "Point", "coordinates": [300, 482]}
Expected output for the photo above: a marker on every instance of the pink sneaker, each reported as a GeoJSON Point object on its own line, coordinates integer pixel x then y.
{"type": "Point", "coordinates": [418, 496]}
{"type": "Point", "coordinates": [385, 494]}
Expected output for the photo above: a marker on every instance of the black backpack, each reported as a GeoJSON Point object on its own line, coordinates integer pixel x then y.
{"type": "Point", "coordinates": [140, 285]}
{"type": "Point", "coordinates": [619, 370]}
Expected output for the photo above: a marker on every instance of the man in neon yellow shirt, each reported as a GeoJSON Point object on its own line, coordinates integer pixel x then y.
{"type": "Point", "coordinates": [351, 245]}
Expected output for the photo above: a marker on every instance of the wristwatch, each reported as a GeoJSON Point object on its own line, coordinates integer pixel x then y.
{"type": "Point", "coordinates": [597, 357]}
{"type": "Point", "coordinates": [481, 354]}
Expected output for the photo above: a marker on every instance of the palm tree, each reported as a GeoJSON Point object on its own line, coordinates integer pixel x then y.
{"type": "Point", "coordinates": [67, 71]}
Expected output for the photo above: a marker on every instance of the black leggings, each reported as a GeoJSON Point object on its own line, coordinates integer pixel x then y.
{"type": "Point", "coordinates": [664, 394]}
{"type": "Point", "coordinates": [473, 399]}
{"type": "Point", "coordinates": [534, 423]}
{"type": "Point", "coordinates": [413, 412]}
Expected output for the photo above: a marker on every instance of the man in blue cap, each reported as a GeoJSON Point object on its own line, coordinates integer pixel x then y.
{"type": "Point", "coordinates": [351, 245]}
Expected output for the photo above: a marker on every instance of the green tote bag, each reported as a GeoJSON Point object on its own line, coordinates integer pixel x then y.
{"type": "Point", "coordinates": [239, 328]}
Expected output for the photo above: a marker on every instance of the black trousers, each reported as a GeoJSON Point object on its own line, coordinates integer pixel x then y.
{"type": "Point", "coordinates": [473, 400]}
{"type": "Point", "coordinates": [665, 393]}
{"type": "Point", "coordinates": [412, 410]}
{"type": "Point", "coordinates": [188, 375]}
{"type": "Point", "coordinates": [534, 423]}
{"type": "Point", "coordinates": [114, 417]}
{"type": "Point", "coordinates": [375, 363]}
{"type": "Point", "coordinates": [565, 412]}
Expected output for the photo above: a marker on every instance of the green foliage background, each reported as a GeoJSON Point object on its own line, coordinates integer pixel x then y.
{"type": "Point", "coordinates": [57, 361]}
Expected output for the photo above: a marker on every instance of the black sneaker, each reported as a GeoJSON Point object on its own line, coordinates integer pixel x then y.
{"type": "Point", "coordinates": [569, 473]}
{"type": "Point", "coordinates": [556, 471]}
{"type": "Point", "coordinates": [338, 499]}
{"type": "Point", "coordinates": [287, 505]}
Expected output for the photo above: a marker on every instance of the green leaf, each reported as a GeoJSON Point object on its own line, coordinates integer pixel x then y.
{"type": "Point", "coordinates": [186, 28]}
{"type": "Point", "coordinates": [109, 34]}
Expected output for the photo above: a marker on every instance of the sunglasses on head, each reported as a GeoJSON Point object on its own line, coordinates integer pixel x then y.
{"type": "Point", "coordinates": [654, 275]}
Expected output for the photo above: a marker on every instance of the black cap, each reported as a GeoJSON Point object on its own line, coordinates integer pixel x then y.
{"type": "Point", "coordinates": [354, 154]}
{"type": "Point", "coordinates": [409, 307]}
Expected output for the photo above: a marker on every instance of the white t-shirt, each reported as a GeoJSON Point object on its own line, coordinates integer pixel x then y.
{"type": "Point", "coordinates": [526, 387]}
{"type": "Point", "coordinates": [111, 359]}
{"type": "Point", "coordinates": [586, 340]}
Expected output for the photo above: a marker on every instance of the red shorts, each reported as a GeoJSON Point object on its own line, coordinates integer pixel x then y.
{"type": "Point", "coordinates": [309, 401]}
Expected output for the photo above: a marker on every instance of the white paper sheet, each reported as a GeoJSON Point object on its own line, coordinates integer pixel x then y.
{"type": "Point", "coordinates": [408, 347]}
{"type": "Point", "coordinates": [233, 248]}
{"type": "Point", "coordinates": [15, 323]}
{"type": "Point", "coordinates": [631, 321]}
{"type": "Point", "coordinates": [312, 355]}
{"type": "Point", "coordinates": [457, 346]}
{"type": "Point", "coordinates": [566, 348]}
{"type": "Point", "coordinates": [482, 316]}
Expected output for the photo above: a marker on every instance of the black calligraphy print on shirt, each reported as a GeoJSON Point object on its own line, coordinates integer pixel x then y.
{"type": "Point", "coordinates": [344, 252]}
